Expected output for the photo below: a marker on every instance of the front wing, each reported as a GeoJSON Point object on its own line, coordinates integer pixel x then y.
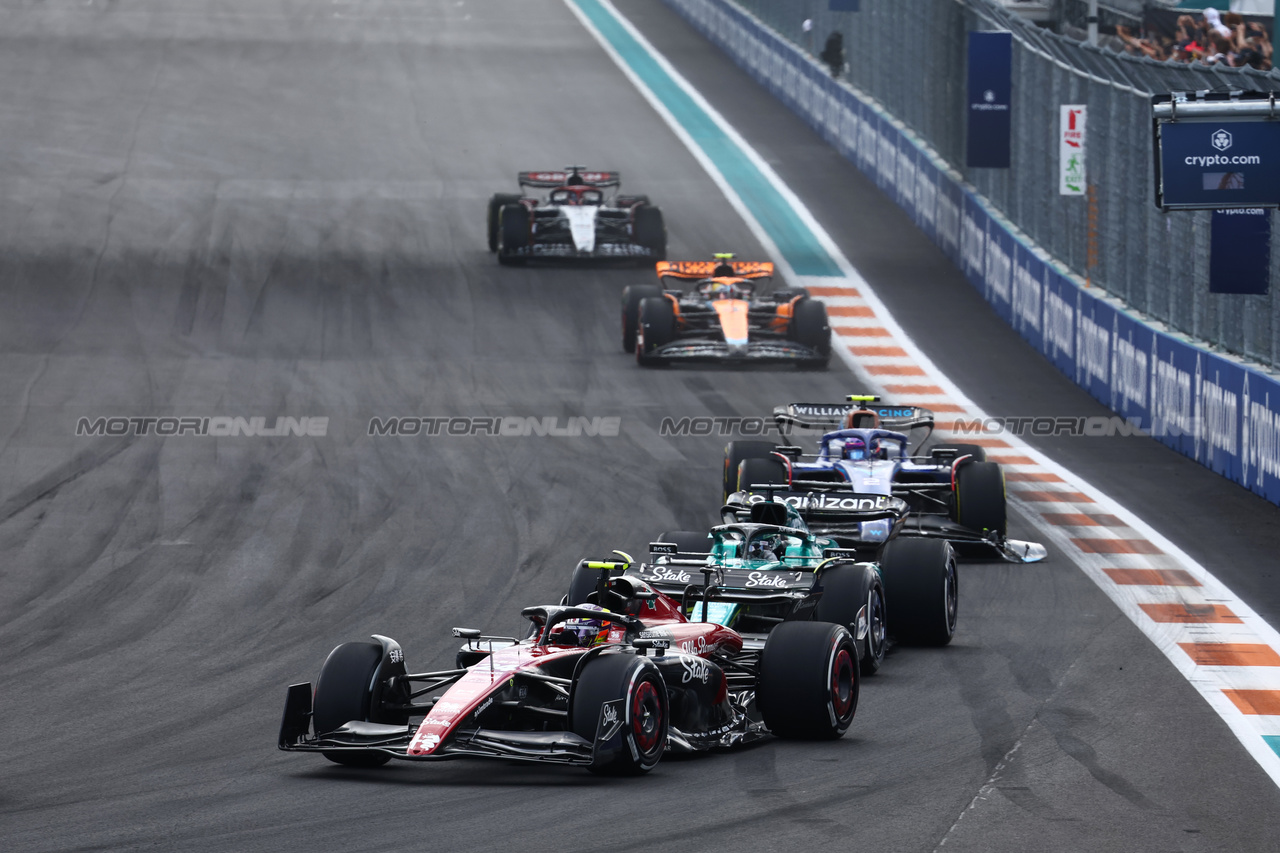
{"type": "Point", "coordinates": [755, 352]}
{"type": "Point", "coordinates": [561, 251]}
{"type": "Point", "coordinates": [356, 736]}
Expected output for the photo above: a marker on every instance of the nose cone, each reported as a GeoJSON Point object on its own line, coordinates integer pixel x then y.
{"type": "Point", "coordinates": [733, 323]}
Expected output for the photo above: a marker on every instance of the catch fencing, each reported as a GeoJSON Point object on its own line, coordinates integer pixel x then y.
{"type": "Point", "coordinates": [909, 57]}
{"type": "Point", "coordinates": [1221, 412]}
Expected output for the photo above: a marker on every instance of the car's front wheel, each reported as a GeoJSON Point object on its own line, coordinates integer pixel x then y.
{"type": "Point", "coordinates": [657, 326]}
{"type": "Point", "coordinates": [344, 692]}
{"type": "Point", "coordinates": [619, 704]}
{"type": "Point", "coordinates": [923, 590]}
{"type": "Point", "coordinates": [808, 684]}
{"type": "Point", "coordinates": [632, 296]}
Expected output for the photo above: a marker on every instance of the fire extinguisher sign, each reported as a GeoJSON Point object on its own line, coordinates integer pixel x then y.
{"type": "Point", "coordinates": [1071, 147]}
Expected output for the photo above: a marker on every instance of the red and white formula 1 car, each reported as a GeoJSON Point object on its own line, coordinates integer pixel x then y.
{"type": "Point", "coordinates": [608, 689]}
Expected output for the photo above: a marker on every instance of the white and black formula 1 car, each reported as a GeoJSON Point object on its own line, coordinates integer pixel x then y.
{"type": "Point", "coordinates": [610, 687]}
{"type": "Point", "coordinates": [580, 215]}
{"type": "Point", "coordinates": [953, 492]}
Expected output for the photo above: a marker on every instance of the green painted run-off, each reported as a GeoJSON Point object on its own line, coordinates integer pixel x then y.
{"type": "Point", "coordinates": [796, 243]}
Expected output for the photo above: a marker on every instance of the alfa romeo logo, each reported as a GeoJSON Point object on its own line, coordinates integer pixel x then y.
{"type": "Point", "coordinates": [1221, 140]}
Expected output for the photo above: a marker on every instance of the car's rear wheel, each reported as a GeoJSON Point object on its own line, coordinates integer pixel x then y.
{"type": "Point", "coordinates": [632, 296]}
{"type": "Point", "coordinates": [921, 590]}
{"type": "Point", "coordinates": [513, 233]}
{"type": "Point", "coordinates": [980, 502]}
{"type": "Point", "coordinates": [810, 327]}
{"type": "Point", "coordinates": [808, 684]}
{"type": "Point", "coordinates": [650, 231]}
{"type": "Point", "coordinates": [657, 326]}
{"type": "Point", "coordinates": [619, 704]}
{"type": "Point", "coordinates": [845, 590]}
{"type": "Point", "coordinates": [734, 454]}
{"type": "Point", "coordinates": [762, 472]}
{"type": "Point", "coordinates": [344, 693]}
{"type": "Point", "coordinates": [496, 203]}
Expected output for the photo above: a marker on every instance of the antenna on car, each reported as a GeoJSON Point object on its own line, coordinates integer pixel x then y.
{"type": "Point", "coordinates": [863, 398]}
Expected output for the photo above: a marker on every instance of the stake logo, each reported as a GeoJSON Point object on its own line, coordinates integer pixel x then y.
{"type": "Point", "coordinates": [610, 720]}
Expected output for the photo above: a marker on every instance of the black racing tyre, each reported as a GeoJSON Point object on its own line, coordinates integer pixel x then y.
{"type": "Point", "coordinates": [582, 584]}
{"type": "Point", "coordinates": [344, 693]}
{"type": "Point", "coordinates": [977, 451]}
{"type": "Point", "coordinates": [632, 295]}
{"type": "Point", "coordinates": [921, 590]}
{"type": "Point", "coordinates": [657, 326]}
{"type": "Point", "coordinates": [980, 498]}
{"type": "Point", "coordinates": [631, 736]}
{"type": "Point", "coordinates": [809, 326]}
{"type": "Point", "coordinates": [688, 541]}
{"type": "Point", "coordinates": [808, 685]}
{"type": "Point", "coordinates": [845, 589]}
{"type": "Point", "coordinates": [734, 453]}
{"type": "Point", "coordinates": [650, 231]}
{"type": "Point", "coordinates": [513, 232]}
{"type": "Point", "coordinates": [496, 203]}
{"type": "Point", "coordinates": [759, 472]}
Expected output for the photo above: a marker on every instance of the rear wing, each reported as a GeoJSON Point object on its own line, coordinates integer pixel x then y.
{"type": "Point", "coordinates": [832, 415]}
{"type": "Point", "coordinates": [706, 269]}
{"type": "Point", "coordinates": [551, 180]}
{"type": "Point", "coordinates": [817, 499]}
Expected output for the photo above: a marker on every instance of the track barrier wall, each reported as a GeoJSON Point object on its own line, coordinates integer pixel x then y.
{"type": "Point", "coordinates": [1217, 410]}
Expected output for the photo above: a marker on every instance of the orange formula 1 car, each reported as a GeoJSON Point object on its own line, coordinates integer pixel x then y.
{"type": "Point", "coordinates": [724, 317]}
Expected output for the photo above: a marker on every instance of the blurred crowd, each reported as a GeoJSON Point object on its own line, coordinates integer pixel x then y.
{"type": "Point", "coordinates": [1216, 38]}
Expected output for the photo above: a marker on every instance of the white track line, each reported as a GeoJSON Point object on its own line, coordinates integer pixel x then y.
{"type": "Point", "coordinates": [1209, 612]}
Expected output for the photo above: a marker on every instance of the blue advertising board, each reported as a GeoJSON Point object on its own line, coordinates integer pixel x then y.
{"type": "Point", "coordinates": [990, 94]}
{"type": "Point", "coordinates": [1240, 251]}
{"type": "Point", "coordinates": [1219, 163]}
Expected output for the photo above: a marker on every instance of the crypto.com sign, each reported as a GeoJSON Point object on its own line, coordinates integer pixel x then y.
{"type": "Point", "coordinates": [1216, 152]}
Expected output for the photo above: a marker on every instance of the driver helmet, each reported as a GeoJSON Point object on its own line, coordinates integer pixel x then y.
{"type": "Point", "coordinates": [718, 289]}
{"type": "Point", "coordinates": [767, 547]}
{"type": "Point", "coordinates": [848, 448]}
{"type": "Point", "coordinates": [583, 632]}
{"type": "Point", "coordinates": [565, 196]}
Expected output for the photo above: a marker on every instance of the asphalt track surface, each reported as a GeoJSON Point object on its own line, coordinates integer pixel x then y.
{"type": "Point", "coordinates": [258, 208]}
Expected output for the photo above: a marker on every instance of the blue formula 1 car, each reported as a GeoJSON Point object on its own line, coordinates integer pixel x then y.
{"type": "Point", "coordinates": [953, 492]}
